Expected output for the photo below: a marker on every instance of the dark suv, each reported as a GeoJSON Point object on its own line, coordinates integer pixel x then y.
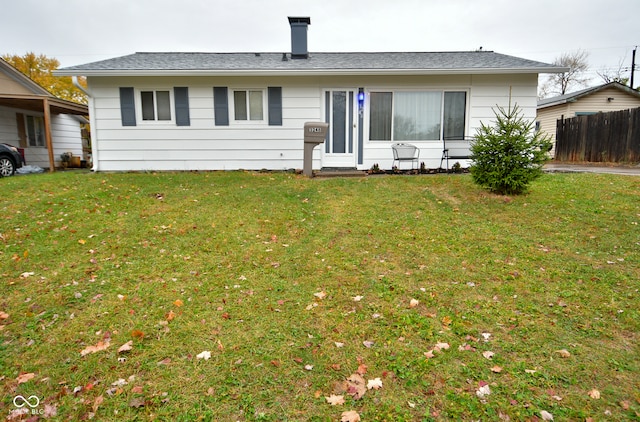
{"type": "Point", "coordinates": [10, 160]}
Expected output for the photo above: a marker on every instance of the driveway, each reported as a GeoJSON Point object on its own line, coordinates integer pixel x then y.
{"type": "Point", "coordinates": [591, 168]}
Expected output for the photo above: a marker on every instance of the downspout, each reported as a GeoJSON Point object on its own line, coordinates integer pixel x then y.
{"type": "Point", "coordinates": [92, 125]}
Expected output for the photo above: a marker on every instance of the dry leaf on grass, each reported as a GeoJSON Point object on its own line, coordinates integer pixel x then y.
{"type": "Point", "coordinates": [334, 400]}
{"type": "Point", "coordinates": [374, 384]}
{"type": "Point", "coordinates": [488, 354]}
{"type": "Point", "coordinates": [594, 394]}
{"type": "Point", "coordinates": [4, 315]}
{"type": "Point", "coordinates": [564, 353]}
{"type": "Point", "coordinates": [413, 303]}
{"type": "Point", "coordinates": [22, 378]}
{"type": "Point", "coordinates": [100, 346]}
{"type": "Point", "coordinates": [546, 416]}
{"type": "Point", "coordinates": [126, 347]}
{"type": "Point", "coordinates": [206, 355]}
{"type": "Point", "coordinates": [356, 386]}
{"type": "Point", "coordinates": [350, 416]}
{"type": "Point", "coordinates": [497, 369]}
{"type": "Point", "coordinates": [320, 295]}
{"type": "Point", "coordinates": [97, 402]}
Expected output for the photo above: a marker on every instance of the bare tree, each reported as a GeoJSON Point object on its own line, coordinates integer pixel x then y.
{"type": "Point", "coordinates": [614, 75]}
{"type": "Point", "coordinates": [560, 83]}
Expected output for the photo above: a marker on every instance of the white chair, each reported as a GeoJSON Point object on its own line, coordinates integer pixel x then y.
{"type": "Point", "coordinates": [405, 152]}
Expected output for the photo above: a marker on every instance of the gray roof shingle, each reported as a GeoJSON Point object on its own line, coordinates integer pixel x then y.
{"type": "Point", "coordinates": [317, 63]}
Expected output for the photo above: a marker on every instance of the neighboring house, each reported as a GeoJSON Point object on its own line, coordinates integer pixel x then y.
{"type": "Point", "coordinates": [225, 111]}
{"type": "Point", "coordinates": [612, 96]}
{"type": "Point", "coordinates": [42, 126]}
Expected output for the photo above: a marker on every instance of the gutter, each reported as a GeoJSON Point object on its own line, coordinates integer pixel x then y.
{"type": "Point", "coordinates": [310, 72]}
{"type": "Point", "coordinates": [92, 122]}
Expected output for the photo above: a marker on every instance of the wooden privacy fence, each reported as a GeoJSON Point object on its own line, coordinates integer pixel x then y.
{"type": "Point", "coordinates": [610, 137]}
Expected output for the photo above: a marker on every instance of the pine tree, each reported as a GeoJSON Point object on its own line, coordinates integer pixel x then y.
{"type": "Point", "coordinates": [509, 155]}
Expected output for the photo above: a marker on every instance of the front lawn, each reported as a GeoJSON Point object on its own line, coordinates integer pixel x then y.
{"type": "Point", "coordinates": [255, 296]}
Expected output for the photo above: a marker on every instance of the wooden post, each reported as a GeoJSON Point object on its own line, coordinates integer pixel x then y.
{"type": "Point", "coordinates": [47, 134]}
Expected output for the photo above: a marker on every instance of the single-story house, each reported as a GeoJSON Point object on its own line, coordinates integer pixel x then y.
{"type": "Point", "coordinates": [224, 111]}
{"type": "Point", "coordinates": [612, 96]}
{"type": "Point", "coordinates": [41, 125]}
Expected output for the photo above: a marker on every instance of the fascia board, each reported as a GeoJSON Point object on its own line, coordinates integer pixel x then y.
{"type": "Point", "coordinates": [307, 72]}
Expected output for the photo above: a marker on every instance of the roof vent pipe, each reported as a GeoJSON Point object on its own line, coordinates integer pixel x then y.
{"type": "Point", "coordinates": [299, 25]}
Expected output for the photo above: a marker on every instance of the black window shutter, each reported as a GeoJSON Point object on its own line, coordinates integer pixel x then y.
{"type": "Point", "coordinates": [275, 105]}
{"type": "Point", "coordinates": [221, 105]}
{"type": "Point", "coordinates": [127, 107]}
{"type": "Point", "coordinates": [181, 96]}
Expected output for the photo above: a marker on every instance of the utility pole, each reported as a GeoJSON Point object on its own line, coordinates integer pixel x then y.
{"type": "Point", "coordinates": [633, 65]}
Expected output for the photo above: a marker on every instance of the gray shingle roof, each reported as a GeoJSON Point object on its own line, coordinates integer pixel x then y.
{"type": "Point", "coordinates": [572, 96]}
{"type": "Point", "coordinates": [317, 63]}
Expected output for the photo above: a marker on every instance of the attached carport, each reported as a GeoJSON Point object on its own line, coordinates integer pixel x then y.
{"type": "Point", "coordinates": [48, 105]}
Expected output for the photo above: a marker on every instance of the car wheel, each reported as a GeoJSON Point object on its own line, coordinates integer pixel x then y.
{"type": "Point", "coordinates": [7, 168]}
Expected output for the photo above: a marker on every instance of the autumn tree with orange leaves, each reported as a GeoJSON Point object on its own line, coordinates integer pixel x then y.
{"type": "Point", "coordinates": [39, 68]}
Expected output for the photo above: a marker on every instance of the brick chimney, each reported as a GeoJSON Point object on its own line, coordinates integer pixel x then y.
{"type": "Point", "coordinates": [299, 49]}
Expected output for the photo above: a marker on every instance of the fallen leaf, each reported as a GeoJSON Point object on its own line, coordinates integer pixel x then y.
{"type": "Point", "coordinates": [120, 382]}
{"type": "Point", "coordinates": [350, 416]}
{"type": "Point", "coordinates": [275, 363]}
{"type": "Point", "coordinates": [334, 400]}
{"type": "Point", "coordinates": [206, 355]}
{"type": "Point", "coordinates": [441, 346]}
{"type": "Point", "coordinates": [137, 334]}
{"type": "Point", "coordinates": [488, 354]}
{"type": "Point", "coordinates": [320, 295]}
{"type": "Point", "coordinates": [308, 367]}
{"type": "Point", "coordinates": [50, 411]}
{"type": "Point", "coordinates": [530, 371]}
{"type": "Point", "coordinates": [100, 346]}
{"type": "Point", "coordinates": [165, 361]}
{"type": "Point", "coordinates": [446, 320]}
{"type": "Point", "coordinates": [339, 344]}
{"type": "Point", "coordinates": [483, 391]}
{"type": "Point", "coordinates": [137, 389]}
{"type": "Point", "coordinates": [413, 303]}
{"type": "Point", "coordinates": [170, 315]}
{"type": "Point", "coordinates": [497, 369]}
{"type": "Point", "coordinates": [356, 387]}
{"type": "Point", "coordinates": [4, 315]}
{"type": "Point", "coordinates": [126, 347]}
{"type": "Point", "coordinates": [362, 369]}
{"type": "Point", "coordinates": [357, 298]}
{"type": "Point", "coordinates": [136, 402]}
{"type": "Point", "coordinates": [429, 354]}
{"type": "Point", "coordinates": [594, 394]}
{"type": "Point", "coordinates": [178, 303]}
{"type": "Point", "coordinates": [97, 402]}
{"type": "Point", "coordinates": [22, 378]}
{"type": "Point", "coordinates": [564, 353]}
{"type": "Point", "coordinates": [27, 274]}
{"type": "Point", "coordinates": [546, 416]}
{"type": "Point", "coordinates": [486, 336]}
{"type": "Point", "coordinates": [368, 344]}
{"type": "Point", "coordinates": [374, 384]}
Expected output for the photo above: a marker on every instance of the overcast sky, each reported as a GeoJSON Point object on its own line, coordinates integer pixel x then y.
{"type": "Point", "coordinates": [83, 31]}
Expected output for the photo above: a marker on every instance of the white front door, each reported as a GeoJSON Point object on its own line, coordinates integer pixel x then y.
{"type": "Point", "coordinates": [339, 149]}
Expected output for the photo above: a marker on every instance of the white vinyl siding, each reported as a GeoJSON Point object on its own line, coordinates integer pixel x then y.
{"type": "Point", "coordinates": [255, 145]}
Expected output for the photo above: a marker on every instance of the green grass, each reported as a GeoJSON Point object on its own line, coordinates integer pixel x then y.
{"type": "Point", "coordinates": [229, 262]}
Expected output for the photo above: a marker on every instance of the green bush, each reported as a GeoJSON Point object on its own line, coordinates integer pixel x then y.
{"type": "Point", "coordinates": [508, 155]}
